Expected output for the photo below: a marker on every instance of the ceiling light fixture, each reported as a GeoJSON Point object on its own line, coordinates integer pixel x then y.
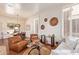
{"type": "Point", "coordinates": [12, 8]}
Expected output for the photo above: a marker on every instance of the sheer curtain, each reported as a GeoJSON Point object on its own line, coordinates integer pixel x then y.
{"type": "Point", "coordinates": [66, 22]}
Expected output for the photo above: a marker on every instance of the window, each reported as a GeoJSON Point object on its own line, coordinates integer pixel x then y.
{"type": "Point", "coordinates": [75, 27]}
{"type": "Point", "coordinates": [75, 9]}
{"type": "Point", "coordinates": [75, 20]}
{"type": "Point", "coordinates": [71, 21]}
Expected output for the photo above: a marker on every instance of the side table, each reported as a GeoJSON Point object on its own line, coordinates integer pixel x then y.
{"type": "Point", "coordinates": [55, 45]}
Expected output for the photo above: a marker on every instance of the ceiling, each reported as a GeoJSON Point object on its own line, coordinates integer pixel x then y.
{"type": "Point", "coordinates": [29, 9]}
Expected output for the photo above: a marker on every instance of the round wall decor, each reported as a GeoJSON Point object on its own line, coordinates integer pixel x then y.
{"type": "Point", "coordinates": [42, 27]}
{"type": "Point", "coordinates": [45, 19]}
{"type": "Point", "coordinates": [54, 21]}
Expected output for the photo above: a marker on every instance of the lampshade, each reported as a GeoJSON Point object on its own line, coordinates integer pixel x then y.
{"type": "Point", "coordinates": [15, 27]}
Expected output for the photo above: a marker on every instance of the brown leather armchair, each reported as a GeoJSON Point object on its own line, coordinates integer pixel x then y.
{"type": "Point", "coordinates": [17, 44]}
{"type": "Point", "coordinates": [33, 37]}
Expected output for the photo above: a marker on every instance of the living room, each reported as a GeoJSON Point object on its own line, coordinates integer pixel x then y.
{"type": "Point", "coordinates": [32, 28]}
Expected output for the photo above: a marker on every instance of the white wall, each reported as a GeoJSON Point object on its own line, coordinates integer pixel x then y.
{"type": "Point", "coordinates": [31, 21]}
{"type": "Point", "coordinates": [49, 30]}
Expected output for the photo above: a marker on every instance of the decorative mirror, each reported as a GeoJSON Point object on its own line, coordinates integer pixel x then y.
{"type": "Point", "coordinates": [45, 19]}
{"type": "Point", "coordinates": [54, 21]}
{"type": "Point", "coordinates": [42, 27]}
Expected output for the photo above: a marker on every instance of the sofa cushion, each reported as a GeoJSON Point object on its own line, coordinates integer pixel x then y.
{"type": "Point", "coordinates": [19, 46]}
{"type": "Point", "coordinates": [71, 42]}
{"type": "Point", "coordinates": [15, 39]}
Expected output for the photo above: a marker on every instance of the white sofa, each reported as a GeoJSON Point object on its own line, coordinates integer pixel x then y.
{"type": "Point", "coordinates": [69, 46]}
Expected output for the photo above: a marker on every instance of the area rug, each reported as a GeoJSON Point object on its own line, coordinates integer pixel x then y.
{"type": "Point", "coordinates": [43, 51]}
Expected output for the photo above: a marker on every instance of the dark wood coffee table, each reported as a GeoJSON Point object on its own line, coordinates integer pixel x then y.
{"type": "Point", "coordinates": [51, 46]}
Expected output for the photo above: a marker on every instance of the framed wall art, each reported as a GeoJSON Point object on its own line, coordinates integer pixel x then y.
{"type": "Point", "coordinates": [42, 27]}
{"type": "Point", "coordinates": [45, 19]}
{"type": "Point", "coordinates": [54, 21]}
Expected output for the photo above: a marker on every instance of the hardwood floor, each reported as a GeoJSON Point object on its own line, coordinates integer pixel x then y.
{"type": "Point", "coordinates": [4, 42]}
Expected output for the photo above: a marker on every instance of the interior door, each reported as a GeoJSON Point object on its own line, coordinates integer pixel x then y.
{"type": "Point", "coordinates": [36, 26]}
